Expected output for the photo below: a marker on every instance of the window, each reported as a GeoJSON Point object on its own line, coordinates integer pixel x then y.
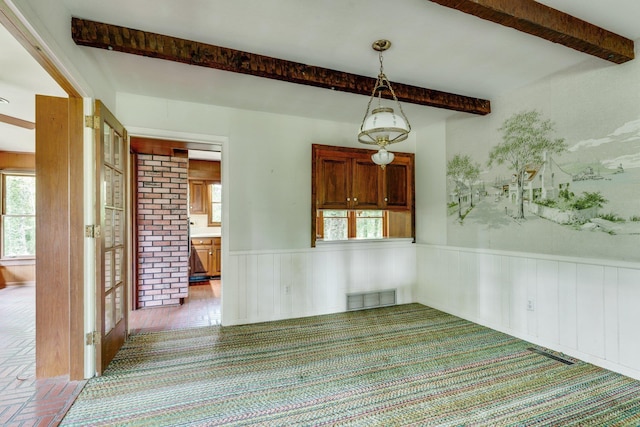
{"type": "Point", "coordinates": [215, 207]}
{"type": "Point", "coordinates": [346, 224]}
{"type": "Point", "coordinates": [18, 215]}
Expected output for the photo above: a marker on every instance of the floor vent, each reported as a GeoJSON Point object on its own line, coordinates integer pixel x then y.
{"type": "Point", "coordinates": [359, 301]}
{"type": "Point", "coordinates": [550, 356]}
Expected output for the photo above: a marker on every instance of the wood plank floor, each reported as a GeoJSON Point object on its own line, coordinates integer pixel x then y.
{"type": "Point", "coordinates": [25, 401]}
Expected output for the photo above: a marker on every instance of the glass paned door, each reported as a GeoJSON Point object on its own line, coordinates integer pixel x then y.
{"type": "Point", "coordinates": [113, 276]}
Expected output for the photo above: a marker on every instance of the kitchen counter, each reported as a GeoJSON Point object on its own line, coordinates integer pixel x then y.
{"type": "Point", "coordinates": [205, 234]}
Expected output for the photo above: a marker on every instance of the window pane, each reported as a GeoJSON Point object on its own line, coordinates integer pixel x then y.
{"type": "Point", "coordinates": [20, 197]}
{"type": "Point", "coordinates": [19, 236]}
{"type": "Point", "coordinates": [369, 228]}
{"type": "Point", "coordinates": [335, 228]}
{"type": "Point", "coordinates": [369, 224]}
{"type": "Point", "coordinates": [369, 214]}
{"type": "Point", "coordinates": [216, 212]}
{"type": "Point", "coordinates": [334, 214]}
{"type": "Point", "coordinates": [216, 193]}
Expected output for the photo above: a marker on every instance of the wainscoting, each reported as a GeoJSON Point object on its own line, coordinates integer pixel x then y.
{"type": "Point", "coordinates": [271, 285]}
{"type": "Point", "coordinates": [588, 309]}
{"type": "Point", "coordinates": [17, 273]}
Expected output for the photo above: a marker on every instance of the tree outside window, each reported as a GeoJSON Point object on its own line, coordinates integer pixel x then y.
{"type": "Point", "coordinates": [215, 212]}
{"type": "Point", "coordinates": [18, 215]}
{"type": "Point", "coordinates": [347, 224]}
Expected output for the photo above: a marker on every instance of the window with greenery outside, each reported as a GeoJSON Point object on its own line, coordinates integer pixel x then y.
{"type": "Point", "coordinates": [18, 216]}
{"type": "Point", "coordinates": [369, 224]}
{"type": "Point", "coordinates": [215, 217]}
{"type": "Point", "coordinates": [335, 225]}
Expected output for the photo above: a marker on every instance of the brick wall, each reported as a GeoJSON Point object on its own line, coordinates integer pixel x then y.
{"type": "Point", "coordinates": [163, 252]}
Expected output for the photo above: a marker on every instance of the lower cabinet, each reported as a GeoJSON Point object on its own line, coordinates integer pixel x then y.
{"type": "Point", "coordinates": [205, 257]}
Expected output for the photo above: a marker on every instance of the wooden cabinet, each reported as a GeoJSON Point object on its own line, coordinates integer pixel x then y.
{"type": "Point", "coordinates": [216, 257]}
{"type": "Point", "coordinates": [399, 183]}
{"type": "Point", "coordinates": [198, 197]}
{"type": "Point", "coordinates": [205, 257]}
{"type": "Point", "coordinates": [345, 180]}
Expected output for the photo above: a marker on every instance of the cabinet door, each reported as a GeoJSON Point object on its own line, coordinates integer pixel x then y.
{"type": "Point", "coordinates": [216, 252]}
{"type": "Point", "coordinates": [333, 183]}
{"type": "Point", "coordinates": [367, 184]}
{"type": "Point", "coordinates": [399, 184]}
{"type": "Point", "coordinates": [200, 260]}
{"type": "Point", "coordinates": [197, 197]}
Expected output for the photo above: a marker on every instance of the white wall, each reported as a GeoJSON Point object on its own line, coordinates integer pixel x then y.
{"type": "Point", "coordinates": [431, 188]}
{"type": "Point", "coordinates": [585, 308]}
{"type": "Point", "coordinates": [269, 270]}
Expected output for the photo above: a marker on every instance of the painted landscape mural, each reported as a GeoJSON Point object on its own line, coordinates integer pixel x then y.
{"type": "Point", "coordinates": [536, 190]}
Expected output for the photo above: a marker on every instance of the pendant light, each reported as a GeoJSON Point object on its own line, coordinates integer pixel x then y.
{"type": "Point", "coordinates": [383, 125]}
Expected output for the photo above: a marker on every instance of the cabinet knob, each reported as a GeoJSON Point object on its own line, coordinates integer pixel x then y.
{"type": "Point", "coordinates": [355, 199]}
{"type": "Point", "coordinates": [210, 253]}
{"type": "Point", "coordinates": [348, 199]}
{"type": "Point", "coordinates": [385, 199]}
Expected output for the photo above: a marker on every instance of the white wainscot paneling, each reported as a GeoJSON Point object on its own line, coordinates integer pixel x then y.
{"type": "Point", "coordinates": [271, 285]}
{"type": "Point", "coordinates": [590, 279]}
{"type": "Point", "coordinates": [546, 303]}
{"type": "Point", "coordinates": [629, 317]}
{"type": "Point", "coordinates": [585, 308]}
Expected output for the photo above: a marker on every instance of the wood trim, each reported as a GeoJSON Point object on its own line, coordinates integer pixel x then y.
{"type": "Point", "coordinates": [76, 238]}
{"type": "Point", "coordinates": [137, 42]}
{"type": "Point", "coordinates": [550, 24]}
{"type": "Point", "coordinates": [18, 30]}
{"type": "Point", "coordinates": [134, 230]}
{"type": "Point", "coordinates": [208, 170]}
{"type": "Point", "coordinates": [164, 147]}
{"type": "Point", "coordinates": [11, 160]}
{"type": "Point", "coordinates": [17, 122]}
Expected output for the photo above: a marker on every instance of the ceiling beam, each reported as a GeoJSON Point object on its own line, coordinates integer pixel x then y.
{"type": "Point", "coordinates": [550, 24]}
{"type": "Point", "coordinates": [137, 42]}
{"type": "Point", "coordinates": [17, 122]}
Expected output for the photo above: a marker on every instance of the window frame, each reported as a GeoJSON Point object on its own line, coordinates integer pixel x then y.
{"type": "Point", "coordinates": [210, 203]}
{"type": "Point", "coordinates": [3, 209]}
{"type": "Point", "coordinates": [351, 225]}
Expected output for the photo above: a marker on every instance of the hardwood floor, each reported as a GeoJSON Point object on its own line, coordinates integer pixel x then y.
{"type": "Point", "coordinates": [202, 308]}
{"type": "Point", "coordinates": [25, 401]}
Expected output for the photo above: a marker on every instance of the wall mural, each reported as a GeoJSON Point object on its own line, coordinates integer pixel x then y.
{"type": "Point", "coordinates": [533, 192]}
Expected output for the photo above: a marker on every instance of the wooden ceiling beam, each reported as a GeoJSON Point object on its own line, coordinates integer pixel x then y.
{"type": "Point", "coordinates": [17, 122]}
{"type": "Point", "coordinates": [137, 42]}
{"type": "Point", "coordinates": [550, 24]}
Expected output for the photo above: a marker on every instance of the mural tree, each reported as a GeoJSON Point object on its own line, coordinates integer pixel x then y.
{"type": "Point", "coordinates": [463, 172]}
{"type": "Point", "coordinates": [526, 137]}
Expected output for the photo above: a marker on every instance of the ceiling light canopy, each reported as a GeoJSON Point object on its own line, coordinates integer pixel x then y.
{"type": "Point", "coordinates": [382, 125]}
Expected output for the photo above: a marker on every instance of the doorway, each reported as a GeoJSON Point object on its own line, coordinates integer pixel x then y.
{"type": "Point", "coordinates": [163, 296]}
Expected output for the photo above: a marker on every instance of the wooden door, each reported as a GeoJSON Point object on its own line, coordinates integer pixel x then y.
{"type": "Point", "coordinates": [399, 183]}
{"type": "Point", "coordinates": [111, 252]}
{"type": "Point", "coordinates": [200, 259]}
{"type": "Point", "coordinates": [367, 184]}
{"type": "Point", "coordinates": [198, 197]}
{"type": "Point", "coordinates": [334, 183]}
{"type": "Point", "coordinates": [216, 259]}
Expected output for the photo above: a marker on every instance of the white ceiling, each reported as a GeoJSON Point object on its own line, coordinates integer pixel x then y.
{"type": "Point", "coordinates": [433, 47]}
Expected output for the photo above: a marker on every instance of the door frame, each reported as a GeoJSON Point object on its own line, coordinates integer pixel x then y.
{"type": "Point", "coordinates": [199, 140]}
{"type": "Point", "coordinates": [72, 360]}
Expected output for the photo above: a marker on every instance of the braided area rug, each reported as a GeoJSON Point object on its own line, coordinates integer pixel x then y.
{"type": "Point", "coordinates": [393, 366]}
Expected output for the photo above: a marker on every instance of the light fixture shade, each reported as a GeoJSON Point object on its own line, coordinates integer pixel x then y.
{"type": "Point", "coordinates": [383, 126]}
{"type": "Point", "coordinates": [382, 157]}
